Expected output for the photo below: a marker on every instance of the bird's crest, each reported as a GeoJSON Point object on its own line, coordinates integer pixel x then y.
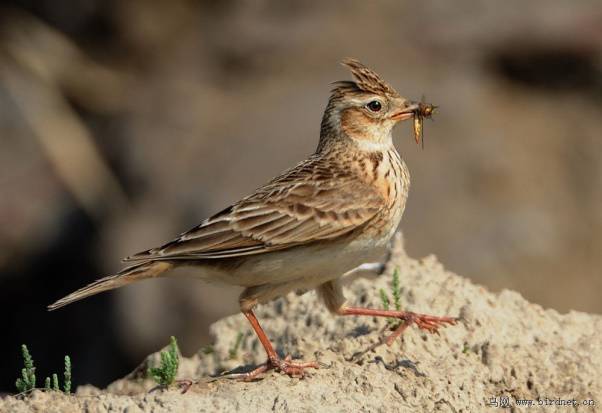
{"type": "Point", "coordinates": [366, 79]}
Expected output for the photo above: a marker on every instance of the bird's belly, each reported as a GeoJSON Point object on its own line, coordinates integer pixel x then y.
{"type": "Point", "coordinates": [314, 264]}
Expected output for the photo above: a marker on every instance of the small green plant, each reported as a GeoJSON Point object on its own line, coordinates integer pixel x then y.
{"type": "Point", "coordinates": [384, 299]}
{"type": "Point", "coordinates": [396, 293]}
{"type": "Point", "coordinates": [396, 290]}
{"type": "Point", "coordinates": [234, 349]}
{"type": "Point", "coordinates": [55, 382]}
{"type": "Point", "coordinates": [67, 375]}
{"type": "Point", "coordinates": [27, 381]}
{"type": "Point", "coordinates": [165, 374]}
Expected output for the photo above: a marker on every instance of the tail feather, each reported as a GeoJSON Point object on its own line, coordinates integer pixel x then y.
{"type": "Point", "coordinates": [126, 276]}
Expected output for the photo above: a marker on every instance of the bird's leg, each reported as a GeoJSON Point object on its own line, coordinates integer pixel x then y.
{"type": "Point", "coordinates": [331, 293]}
{"type": "Point", "coordinates": [274, 361]}
{"type": "Point", "coordinates": [425, 322]}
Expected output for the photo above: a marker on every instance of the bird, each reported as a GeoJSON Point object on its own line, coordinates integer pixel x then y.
{"type": "Point", "coordinates": [333, 212]}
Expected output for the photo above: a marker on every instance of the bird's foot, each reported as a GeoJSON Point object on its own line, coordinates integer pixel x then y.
{"type": "Point", "coordinates": [286, 366]}
{"type": "Point", "coordinates": [425, 322]}
{"type": "Point", "coordinates": [429, 323]}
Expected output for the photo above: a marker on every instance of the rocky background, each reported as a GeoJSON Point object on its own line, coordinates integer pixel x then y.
{"type": "Point", "coordinates": [124, 123]}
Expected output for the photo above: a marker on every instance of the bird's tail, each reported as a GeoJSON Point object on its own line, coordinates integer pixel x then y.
{"type": "Point", "coordinates": [127, 276]}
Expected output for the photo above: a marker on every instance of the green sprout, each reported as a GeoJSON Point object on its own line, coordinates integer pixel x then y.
{"type": "Point", "coordinates": [234, 349]}
{"type": "Point", "coordinates": [165, 374]}
{"type": "Point", "coordinates": [396, 290]}
{"type": "Point", "coordinates": [384, 299]}
{"type": "Point", "coordinates": [55, 382]}
{"type": "Point", "coordinates": [67, 375]}
{"type": "Point", "coordinates": [396, 293]}
{"type": "Point", "coordinates": [27, 381]}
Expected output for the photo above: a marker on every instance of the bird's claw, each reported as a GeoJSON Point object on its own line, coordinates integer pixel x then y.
{"type": "Point", "coordinates": [286, 366]}
{"type": "Point", "coordinates": [423, 321]}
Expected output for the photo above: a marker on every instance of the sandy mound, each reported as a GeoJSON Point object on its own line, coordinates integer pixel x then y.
{"type": "Point", "coordinates": [504, 347]}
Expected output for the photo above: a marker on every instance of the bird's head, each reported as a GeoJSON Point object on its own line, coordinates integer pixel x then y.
{"type": "Point", "coordinates": [364, 110]}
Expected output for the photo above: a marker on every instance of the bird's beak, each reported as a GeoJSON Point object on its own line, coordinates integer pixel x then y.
{"type": "Point", "coordinates": [406, 113]}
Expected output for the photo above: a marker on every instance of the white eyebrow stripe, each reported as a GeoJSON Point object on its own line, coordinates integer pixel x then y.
{"type": "Point", "coordinates": [366, 99]}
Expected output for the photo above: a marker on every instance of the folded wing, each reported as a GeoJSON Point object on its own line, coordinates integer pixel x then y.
{"type": "Point", "coordinates": [308, 203]}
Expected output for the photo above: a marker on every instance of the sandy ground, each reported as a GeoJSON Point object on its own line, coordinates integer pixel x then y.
{"type": "Point", "coordinates": [504, 347]}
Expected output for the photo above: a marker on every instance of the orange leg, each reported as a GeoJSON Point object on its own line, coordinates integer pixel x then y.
{"type": "Point", "coordinates": [425, 322]}
{"type": "Point", "coordinates": [274, 361]}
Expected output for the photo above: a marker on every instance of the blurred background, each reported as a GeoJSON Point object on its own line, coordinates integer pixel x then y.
{"type": "Point", "coordinates": [126, 122]}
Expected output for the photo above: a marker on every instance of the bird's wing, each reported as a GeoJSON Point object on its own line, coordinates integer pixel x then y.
{"type": "Point", "coordinates": [310, 202]}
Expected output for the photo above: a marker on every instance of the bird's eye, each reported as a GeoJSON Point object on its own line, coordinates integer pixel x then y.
{"type": "Point", "coordinates": [374, 106]}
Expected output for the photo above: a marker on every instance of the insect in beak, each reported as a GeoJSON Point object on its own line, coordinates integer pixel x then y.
{"type": "Point", "coordinates": [424, 110]}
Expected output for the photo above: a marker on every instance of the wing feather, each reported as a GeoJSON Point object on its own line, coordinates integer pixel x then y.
{"type": "Point", "coordinates": [296, 208]}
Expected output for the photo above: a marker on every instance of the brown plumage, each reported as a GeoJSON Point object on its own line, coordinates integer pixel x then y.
{"type": "Point", "coordinates": [293, 209]}
{"type": "Point", "coordinates": [367, 80]}
{"type": "Point", "coordinates": [304, 229]}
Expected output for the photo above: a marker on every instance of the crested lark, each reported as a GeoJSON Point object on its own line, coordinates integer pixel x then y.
{"type": "Point", "coordinates": [305, 228]}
